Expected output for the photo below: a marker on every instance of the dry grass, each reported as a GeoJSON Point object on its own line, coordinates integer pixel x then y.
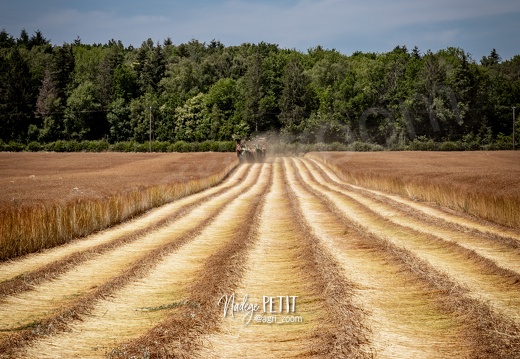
{"type": "Point", "coordinates": [180, 333]}
{"type": "Point", "coordinates": [177, 235]}
{"type": "Point", "coordinates": [286, 260]}
{"type": "Point", "coordinates": [49, 199]}
{"type": "Point", "coordinates": [492, 333]}
{"type": "Point", "coordinates": [483, 184]}
{"type": "Point", "coordinates": [425, 285]}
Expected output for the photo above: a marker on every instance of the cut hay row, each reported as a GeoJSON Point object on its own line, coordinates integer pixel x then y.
{"type": "Point", "coordinates": [26, 272]}
{"type": "Point", "coordinates": [29, 228]}
{"type": "Point", "coordinates": [490, 300]}
{"type": "Point", "coordinates": [48, 297]}
{"type": "Point", "coordinates": [284, 263]}
{"type": "Point", "coordinates": [172, 236]}
{"type": "Point", "coordinates": [487, 278]}
{"type": "Point", "coordinates": [402, 313]}
{"type": "Point", "coordinates": [180, 331]}
{"type": "Point", "coordinates": [484, 276]}
{"type": "Point", "coordinates": [458, 220]}
{"type": "Point", "coordinates": [375, 275]}
{"type": "Point", "coordinates": [503, 251]}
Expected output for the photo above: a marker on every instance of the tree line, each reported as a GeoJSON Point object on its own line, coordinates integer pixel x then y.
{"type": "Point", "coordinates": [196, 92]}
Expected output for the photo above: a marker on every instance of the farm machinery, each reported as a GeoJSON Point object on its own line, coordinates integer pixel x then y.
{"type": "Point", "coordinates": [254, 150]}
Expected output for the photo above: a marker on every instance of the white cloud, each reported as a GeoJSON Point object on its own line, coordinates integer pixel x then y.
{"type": "Point", "coordinates": [99, 26]}
{"type": "Point", "coordinates": [313, 21]}
{"type": "Point", "coordinates": [298, 24]}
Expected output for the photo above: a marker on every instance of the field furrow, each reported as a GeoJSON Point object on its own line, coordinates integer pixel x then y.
{"type": "Point", "coordinates": [83, 283]}
{"type": "Point", "coordinates": [281, 259]}
{"type": "Point", "coordinates": [403, 314]}
{"type": "Point", "coordinates": [283, 264]}
{"type": "Point", "coordinates": [146, 302]}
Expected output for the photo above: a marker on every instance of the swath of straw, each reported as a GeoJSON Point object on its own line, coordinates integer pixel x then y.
{"type": "Point", "coordinates": [179, 334]}
{"type": "Point", "coordinates": [493, 334]}
{"type": "Point", "coordinates": [58, 322]}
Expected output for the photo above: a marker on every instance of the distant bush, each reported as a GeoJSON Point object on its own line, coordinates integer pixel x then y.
{"type": "Point", "coordinates": [34, 147]}
{"type": "Point", "coordinates": [96, 146]}
{"type": "Point", "coordinates": [127, 146]}
{"type": "Point", "coordinates": [364, 147]}
{"type": "Point", "coordinates": [160, 146]}
{"type": "Point", "coordinates": [140, 147]}
{"type": "Point", "coordinates": [451, 146]}
{"type": "Point", "coordinates": [421, 143]}
{"type": "Point", "coordinates": [179, 146]}
{"type": "Point", "coordinates": [13, 147]}
{"type": "Point", "coordinates": [502, 142]}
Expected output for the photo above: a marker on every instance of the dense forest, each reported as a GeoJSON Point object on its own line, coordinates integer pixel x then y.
{"type": "Point", "coordinates": [196, 91]}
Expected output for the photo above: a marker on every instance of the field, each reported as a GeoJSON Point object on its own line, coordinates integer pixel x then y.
{"type": "Point", "coordinates": [294, 257]}
{"type": "Point", "coordinates": [48, 199]}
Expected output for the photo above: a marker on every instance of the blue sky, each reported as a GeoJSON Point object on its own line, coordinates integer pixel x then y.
{"type": "Point", "coordinates": [477, 26]}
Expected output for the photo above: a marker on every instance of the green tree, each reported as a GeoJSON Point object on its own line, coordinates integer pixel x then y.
{"type": "Point", "coordinates": [253, 92]}
{"type": "Point", "coordinates": [48, 109]}
{"type": "Point", "coordinates": [125, 83]}
{"type": "Point", "coordinates": [118, 118]}
{"type": "Point", "coordinates": [221, 102]}
{"type": "Point", "coordinates": [142, 110]}
{"type": "Point", "coordinates": [62, 68]}
{"type": "Point", "coordinates": [192, 124]}
{"type": "Point", "coordinates": [112, 58]}
{"type": "Point", "coordinates": [84, 118]}
{"type": "Point", "coordinates": [38, 40]}
{"type": "Point", "coordinates": [297, 100]}
{"type": "Point", "coordinates": [492, 60]}
{"type": "Point", "coordinates": [6, 40]}
{"type": "Point", "coordinates": [150, 66]}
{"type": "Point", "coordinates": [16, 99]}
{"type": "Point", "coordinates": [23, 40]}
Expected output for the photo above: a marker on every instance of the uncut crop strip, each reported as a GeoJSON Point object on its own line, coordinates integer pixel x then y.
{"type": "Point", "coordinates": [477, 197]}
{"type": "Point", "coordinates": [23, 273]}
{"type": "Point", "coordinates": [498, 250]}
{"type": "Point", "coordinates": [27, 229]}
{"type": "Point", "coordinates": [177, 282]}
{"type": "Point", "coordinates": [285, 261]}
{"type": "Point", "coordinates": [134, 259]}
{"type": "Point", "coordinates": [460, 220]}
{"type": "Point", "coordinates": [402, 312]}
{"type": "Point", "coordinates": [498, 328]}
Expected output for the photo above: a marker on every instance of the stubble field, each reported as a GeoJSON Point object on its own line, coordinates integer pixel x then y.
{"type": "Point", "coordinates": [317, 263]}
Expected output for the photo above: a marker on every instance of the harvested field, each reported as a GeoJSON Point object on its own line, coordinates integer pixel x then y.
{"type": "Point", "coordinates": [280, 259]}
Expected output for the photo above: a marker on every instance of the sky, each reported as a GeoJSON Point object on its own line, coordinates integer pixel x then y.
{"type": "Point", "coordinates": [476, 26]}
